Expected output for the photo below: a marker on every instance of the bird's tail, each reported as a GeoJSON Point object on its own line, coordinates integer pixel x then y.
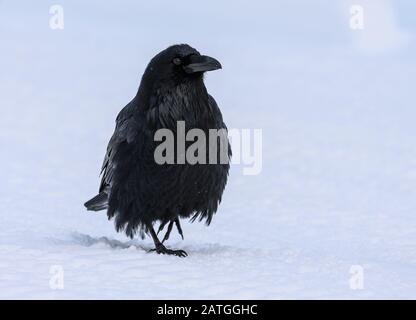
{"type": "Point", "coordinates": [99, 202]}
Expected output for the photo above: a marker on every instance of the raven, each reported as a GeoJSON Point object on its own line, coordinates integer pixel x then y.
{"type": "Point", "coordinates": [136, 190]}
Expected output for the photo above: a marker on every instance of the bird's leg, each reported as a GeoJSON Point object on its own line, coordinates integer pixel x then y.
{"type": "Point", "coordinates": [162, 225]}
{"type": "Point", "coordinates": [178, 226]}
{"type": "Point", "coordinates": [160, 248]}
{"type": "Point", "coordinates": [167, 234]}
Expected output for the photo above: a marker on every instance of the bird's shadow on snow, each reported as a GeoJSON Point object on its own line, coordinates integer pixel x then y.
{"type": "Point", "coordinates": [85, 240]}
{"type": "Point", "coordinates": [88, 241]}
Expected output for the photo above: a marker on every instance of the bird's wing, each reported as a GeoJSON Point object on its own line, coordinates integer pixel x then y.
{"type": "Point", "coordinates": [124, 132]}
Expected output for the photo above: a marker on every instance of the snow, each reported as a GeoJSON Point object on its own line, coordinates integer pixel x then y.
{"type": "Point", "coordinates": [338, 180]}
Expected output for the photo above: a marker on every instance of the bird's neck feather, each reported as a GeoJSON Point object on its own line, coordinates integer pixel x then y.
{"type": "Point", "coordinates": [186, 101]}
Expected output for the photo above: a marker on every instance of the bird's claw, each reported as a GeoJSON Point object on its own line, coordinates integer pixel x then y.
{"type": "Point", "coordinates": [161, 249]}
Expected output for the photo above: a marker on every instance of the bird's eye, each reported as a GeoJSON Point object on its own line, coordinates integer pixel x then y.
{"type": "Point", "coordinates": [177, 61]}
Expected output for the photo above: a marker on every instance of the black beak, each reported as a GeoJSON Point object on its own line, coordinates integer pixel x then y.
{"type": "Point", "coordinates": [202, 64]}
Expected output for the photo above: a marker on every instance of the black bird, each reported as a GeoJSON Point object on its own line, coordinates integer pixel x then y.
{"type": "Point", "coordinates": [137, 191]}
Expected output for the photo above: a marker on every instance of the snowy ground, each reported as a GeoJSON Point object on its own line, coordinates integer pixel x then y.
{"type": "Point", "coordinates": [337, 189]}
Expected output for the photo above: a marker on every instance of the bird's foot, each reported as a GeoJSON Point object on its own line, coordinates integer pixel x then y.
{"type": "Point", "coordinates": [161, 249]}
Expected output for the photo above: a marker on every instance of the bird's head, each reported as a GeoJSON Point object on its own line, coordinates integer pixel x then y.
{"type": "Point", "coordinates": [178, 64]}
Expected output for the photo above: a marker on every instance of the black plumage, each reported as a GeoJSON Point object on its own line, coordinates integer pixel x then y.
{"type": "Point", "coordinates": [138, 192]}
